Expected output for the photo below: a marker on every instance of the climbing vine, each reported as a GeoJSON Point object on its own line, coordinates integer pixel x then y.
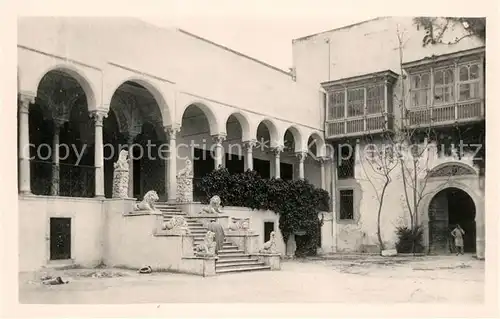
{"type": "Point", "coordinates": [297, 202]}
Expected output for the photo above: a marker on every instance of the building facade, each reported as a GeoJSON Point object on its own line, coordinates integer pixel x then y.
{"type": "Point", "coordinates": [90, 86]}
{"type": "Point", "coordinates": [385, 88]}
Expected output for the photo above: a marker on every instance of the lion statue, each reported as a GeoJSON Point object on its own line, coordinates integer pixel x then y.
{"type": "Point", "coordinates": [177, 222]}
{"type": "Point", "coordinates": [213, 207]}
{"type": "Point", "coordinates": [122, 162]}
{"type": "Point", "coordinates": [270, 245]}
{"type": "Point", "coordinates": [148, 202]}
{"type": "Point", "coordinates": [208, 246]}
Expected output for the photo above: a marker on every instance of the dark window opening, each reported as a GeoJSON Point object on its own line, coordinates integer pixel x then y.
{"type": "Point", "coordinates": [286, 171]}
{"type": "Point", "coordinates": [235, 164]}
{"type": "Point", "coordinates": [345, 161]}
{"type": "Point", "coordinates": [60, 238]}
{"type": "Point", "coordinates": [262, 167]}
{"type": "Point", "coordinates": [346, 204]}
{"type": "Point", "coordinates": [268, 228]}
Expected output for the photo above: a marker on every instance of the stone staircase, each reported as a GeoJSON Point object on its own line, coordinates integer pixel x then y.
{"type": "Point", "coordinates": [230, 259]}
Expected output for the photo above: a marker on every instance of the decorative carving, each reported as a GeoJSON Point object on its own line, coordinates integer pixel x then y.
{"type": "Point", "coordinates": [213, 207]}
{"type": "Point", "coordinates": [270, 245]}
{"type": "Point", "coordinates": [208, 247]}
{"type": "Point", "coordinates": [148, 202]}
{"type": "Point", "coordinates": [121, 176]}
{"type": "Point", "coordinates": [301, 156]}
{"type": "Point", "coordinates": [249, 145]}
{"type": "Point", "coordinates": [176, 222]}
{"type": "Point", "coordinates": [185, 183]}
{"type": "Point", "coordinates": [98, 116]}
{"type": "Point", "coordinates": [24, 102]}
{"type": "Point", "coordinates": [219, 138]}
{"type": "Point", "coordinates": [451, 170]}
{"type": "Point", "coordinates": [277, 150]}
{"type": "Point", "coordinates": [239, 223]}
{"type": "Point", "coordinates": [172, 132]}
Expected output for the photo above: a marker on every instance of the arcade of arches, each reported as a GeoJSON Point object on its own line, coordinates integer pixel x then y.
{"type": "Point", "coordinates": [59, 115]}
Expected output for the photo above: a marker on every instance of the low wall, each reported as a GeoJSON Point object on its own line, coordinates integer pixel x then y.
{"type": "Point", "coordinates": [135, 240]}
{"type": "Point", "coordinates": [87, 225]}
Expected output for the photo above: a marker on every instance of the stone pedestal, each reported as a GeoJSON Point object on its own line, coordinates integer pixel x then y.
{"type": "Point", "coordinates": [120, 183]}
{"type": "Point", "coordinates": [273, 260]}
{"type": "Point", "coordinates": [184, 189]}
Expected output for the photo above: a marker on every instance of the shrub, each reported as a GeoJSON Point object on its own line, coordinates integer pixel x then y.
{"type": "Point", "coordinates": [297, 202]}
{"type": "Point", "coordinates": [409, 240]}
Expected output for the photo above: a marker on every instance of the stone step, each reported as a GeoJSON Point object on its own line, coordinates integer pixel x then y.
{"type": "Point", "coordinates": [226, 251]}
{"type": "Point", "coordinates": [235, 260]}
{"type": "Point", "coordinates": [233, 255]}
{"type": "Point", "coordinates": [237, 264]}
{"type": "Point", "coordinates": [242, 268]}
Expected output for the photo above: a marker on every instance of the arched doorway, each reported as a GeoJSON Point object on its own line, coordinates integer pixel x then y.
{"type": "Point", "coordinates": [135, 122]}
{"type": "Point", "coordinates": [450, 207]}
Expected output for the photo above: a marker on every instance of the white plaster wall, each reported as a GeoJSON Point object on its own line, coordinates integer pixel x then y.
{"type": "Point", "coordinates": [87, 230]}
{"type": "Point", "coordinates": [368, 47]}
{"type": "Point", "coordinates": [195, 66]}
{"type": "Point", "coordinates": [360, 234]}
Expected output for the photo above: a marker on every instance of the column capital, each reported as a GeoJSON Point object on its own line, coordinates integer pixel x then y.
{"type": "Point", "coordinates": [277, 150]}
{"type": "Point", "coordinates": [301, 156]}
{"type": "Point", "coordinates": [219, 138]}
{"type": "Point", "coordinates": [24, 101]}
{"type": "Point", "coordinates": [172, 131]}
{"type": "Point", "coordinates": [98, 116]}
{"type": "Point", "coordinates": [323, 159]}
{"type": "Point", "coordinates": [249, 145]}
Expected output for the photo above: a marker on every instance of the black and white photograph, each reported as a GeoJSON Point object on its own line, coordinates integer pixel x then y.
{"type": "Point", "coordinates": [268, 159]}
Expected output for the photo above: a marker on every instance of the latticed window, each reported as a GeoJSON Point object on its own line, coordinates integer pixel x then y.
{"type": "Point", "coordinates": [420, 89]}
{"type": "Point", "coordinates": [355, 102]}
{"type": "Point", "coordinates": [468, 85]}
{"type": "Point", "coordinates": [443, 86]}
{"type": "Point", "coordinates": [346, 204]}
{"type": "Point", "coordinates": [375, 99]}
{"type": "Point", "coordinates": [336, 105]}
{"type": "Point", "coordinates": [346, 162]}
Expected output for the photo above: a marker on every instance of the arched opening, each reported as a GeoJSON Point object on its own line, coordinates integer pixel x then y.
{"type": "Point", "coordinates": [448, 208]}
{"type": "Point", "coordinates": [233, 146]}
{"type": "Point", "coordinates": [262, 155]}
{"type": "Point", "coordinates": [62, 135]}
{"type": "Point", "coordinates": [195, 142]}
{"type": "Point", "coordinates": [288, 158]}
{"type": "Point", "coordinates": [135, 121]}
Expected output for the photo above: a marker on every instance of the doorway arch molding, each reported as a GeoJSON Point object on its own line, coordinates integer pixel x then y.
{"type": "Point", "coordinates": [469, 184]}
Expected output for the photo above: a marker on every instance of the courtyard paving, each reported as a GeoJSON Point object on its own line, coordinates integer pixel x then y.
{"type": "Point", "coordinates": [456, 279]}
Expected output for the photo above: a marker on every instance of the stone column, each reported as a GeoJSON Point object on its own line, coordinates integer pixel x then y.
{"type": "Point", "coordinates": [55, 157]}
{"type": "Point", "coordinates": [322, 161]}
{"type": "Point", "coordinates": [480, 224]}
{"type": "Point", "coordinates": [172, 164]}
{"type": "Point", "coordinates": [277, 152]}
{"type": "Point", "coordinates": [98, 116]}
{"type": "Point", "coordinates": [302, 157]}
{"type": "Point", "coordinates": [24, 141]}
{"type": "Point", "coordinates": [333, 198]}
{"type": "Point", "coordinates": [249, 145]}
{"type": "Point", "coordinates": [130, 142]}
{"type": "Point", "coordinates": [218, 139]}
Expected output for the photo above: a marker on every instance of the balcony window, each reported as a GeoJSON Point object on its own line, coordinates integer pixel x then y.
{"type": "Point", "coordinates": [375, 99]}
{"type": "Point", "coordinates": [443, 86]}
{"type": "Point", "coordinates": [355, 102]}
{"type": "Point", "coordinates": [420, 90]}
{"type": "Point", "coordinates": [336, 105]}
{"type": "Point", "coordinates": [468, 84]}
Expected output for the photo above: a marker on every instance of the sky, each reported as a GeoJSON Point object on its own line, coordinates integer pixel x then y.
{"type": "Point", "coordinates": [265, 38]}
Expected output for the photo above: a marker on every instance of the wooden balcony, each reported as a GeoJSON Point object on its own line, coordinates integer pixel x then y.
{"type": "Point", "coordinates": [442, 115]}
{"type": "Point", "coordinates": [358, 126]}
